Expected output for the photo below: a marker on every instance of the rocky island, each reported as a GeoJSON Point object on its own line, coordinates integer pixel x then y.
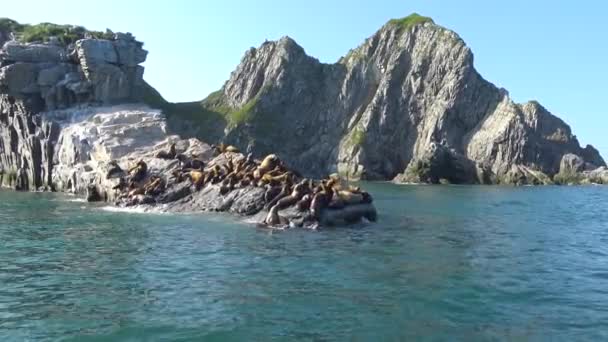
{"type": "Point", "coordinates": [407, 105]}
{"type": "Point", "coordinates": [73, 119]}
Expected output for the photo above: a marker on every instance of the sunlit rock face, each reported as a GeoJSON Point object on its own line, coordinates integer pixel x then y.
{"type": "Point", "coordinates": [407, 105]}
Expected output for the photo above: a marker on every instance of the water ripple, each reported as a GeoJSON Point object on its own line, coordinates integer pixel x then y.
{"type": "Point", "coordinates": [443, 263]}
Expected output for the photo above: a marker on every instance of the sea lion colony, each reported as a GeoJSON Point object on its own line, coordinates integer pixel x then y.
{"type": "Point", "coordinates": [283, 187]}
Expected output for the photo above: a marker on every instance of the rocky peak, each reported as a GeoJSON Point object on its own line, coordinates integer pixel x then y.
{"type": "Point", "coordinates": [408, 95]}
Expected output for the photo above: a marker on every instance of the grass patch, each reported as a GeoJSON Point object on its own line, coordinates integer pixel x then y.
{"type": "Point", "coordinates": [66, 34]}
{"type": "Point", "coordinates": [357, 138]}
{"type": "Point", "coordinates": [410, 21]}
{"type": "Point", "coordinates": [243, 114]}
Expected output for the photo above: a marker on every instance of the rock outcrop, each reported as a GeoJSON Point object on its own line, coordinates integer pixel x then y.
{"type": "Point", "coordinates": [407, 105]}
{"type": "Point", "coordinates": [39, 78]}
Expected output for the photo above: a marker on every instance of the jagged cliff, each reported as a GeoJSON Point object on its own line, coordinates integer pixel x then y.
{"type": "Point", "coordinates": [407, 105]}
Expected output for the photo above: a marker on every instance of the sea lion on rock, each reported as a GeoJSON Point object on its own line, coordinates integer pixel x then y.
{"type": "Point", "coordinates": [349, 197]}
{"type": "Point", "coordinates": [319, 202]}
{"type": "Point", "coordinates": [139, 171]}
{"type": "Point", "coordinates": [285, 191]}
{"type": "Point", "coordinates": [187, 164]}
{"type": "Point", "coordinates": [269, 163]}
{"type": "Point", "coordinates": [167, 154]}
{"type": "Point", "coordinates": [223, 148]}
{"type": "Point", "coordinates": [154, 187]}
{"type": "Point", "coordinates": [298, 192]}
{"type": "Point", "coordinates": [197, 178]}
{"type": "Point", "coordinates": [274, 219]}
{"type": "Point", "coordinates": [304, 203]}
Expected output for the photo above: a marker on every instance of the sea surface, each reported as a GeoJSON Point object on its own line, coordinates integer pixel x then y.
{"type": "Point", "coordinates": [456, 263]}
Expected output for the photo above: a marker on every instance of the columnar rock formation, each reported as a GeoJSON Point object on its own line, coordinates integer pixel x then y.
{"type": "Point", "coordinates": [407, 104]}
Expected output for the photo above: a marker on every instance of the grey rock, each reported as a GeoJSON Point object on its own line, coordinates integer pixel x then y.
{"type": "Point", "coordinates": [33, 53]}
{"type": "Point", "coordinates": [379, 111]}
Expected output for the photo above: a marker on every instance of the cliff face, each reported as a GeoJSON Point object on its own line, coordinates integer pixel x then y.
{"type": "Point", "coordinates": [407, 104]}
{"type": "Point", "coordinates": [37, 79]}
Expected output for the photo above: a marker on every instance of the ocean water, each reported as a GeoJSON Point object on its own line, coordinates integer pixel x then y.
{"type": "Point", "coordinates": [457, 263]}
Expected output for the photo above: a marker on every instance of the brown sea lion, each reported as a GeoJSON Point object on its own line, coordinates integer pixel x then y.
{"type": "Point", "coordinates": [197, 178]}
{"type": "Point", "coordinates": [268, 164]}
{"type": "Point", "coordinates": [232, 149]}
{"type": "Point", "coordinates": [222, 148]}
{"type": "Point", "coordinates": [349, 197]}
{"type": "Point", "coordinates": [154, 187]}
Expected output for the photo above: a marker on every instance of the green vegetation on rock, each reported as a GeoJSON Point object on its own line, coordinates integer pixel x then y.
{"type": "Point", "coordinates": [568, 178]}
{"type": "Point", "coordinates": [243, 114]}
{"type": "Point", "coordinates": [357, 137]}
{"type": "Point", "coordinates": [66, 34]}
{"type": "Point", "coordinates": [410, 21]}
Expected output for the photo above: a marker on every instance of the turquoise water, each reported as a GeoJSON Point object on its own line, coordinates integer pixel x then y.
{"type": "Point", "coordinates": [442, 263]}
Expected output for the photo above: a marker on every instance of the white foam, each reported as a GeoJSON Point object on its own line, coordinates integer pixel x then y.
{"type": "Point", "coordinates": [131, 210]}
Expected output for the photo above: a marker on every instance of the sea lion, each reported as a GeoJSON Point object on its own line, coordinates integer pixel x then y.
{"type": "Point", "coordinates": [268, 164]}
{"type": "Point", "coordinates": [167, 154]}
{"type": "Point", "coordinates": [197, 178]}
{"type": "Point", "coordinates": [222, 148]}
{"type": "Point", "coordinates": [154, 187]}
{"type": "Point", "coordinates": [188, 164]}
{"type": "Point", "coordinates": [304, 203]}
{"type": "Point", "coordinates": [271, 193]}
{"type": "Point", "coordinates": [349, 197]}
{"type": "Point", "coordinates": [274, 219]}
{"type": "Point", "coordinates": [138, 172]}
{"type": "Point", "coordinates": [285, 190]}
{"type": "Point", "coordinates": [367, 198]}
{"type": "Point", "coordinates": [231, 148]}
{"type": "Point", "coordinates": [318, 203]}
{"type": "Point", "coordinates": [298, 192]}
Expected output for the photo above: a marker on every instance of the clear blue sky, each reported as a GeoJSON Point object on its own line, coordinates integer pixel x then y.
{"type": "Point", "coordinates": [552, 51]}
